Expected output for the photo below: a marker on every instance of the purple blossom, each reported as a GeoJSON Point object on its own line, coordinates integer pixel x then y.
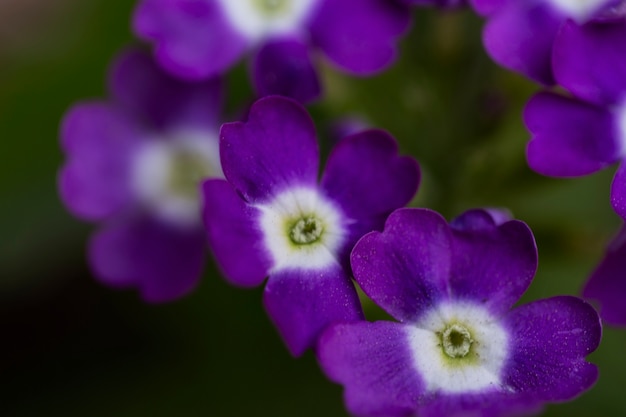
{"type": "Point", "coordinates": [458, 350]}
{"type": "Point", "coordinates": [134, 163]}
{"type": "Point", "coordinates": [520, 34]}
{"type": "Point", "coordinates": [607, 283]}
{"type": "Point", "coordinates": [275, 219]}
{"type": "Point", "coordinates": [578, 136]}
{"type": "Point", "coordinates": [195, 39]}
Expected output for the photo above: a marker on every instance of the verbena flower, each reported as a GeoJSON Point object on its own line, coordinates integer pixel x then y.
{"type": "Point", "coordinates": [607, 283]}
{"type": "Point", "coordinates": [578, 136]}
{"type": "Point", "coordinates": [275, 219]}
{"type": "Point", "coordinates": [458, 350]}
{"type": "Point", "coordinates": [195, 39]}
{"type": "Point", "coordinates": [135, 163]}
{"type": "Point", "coordinates": [520, 34]}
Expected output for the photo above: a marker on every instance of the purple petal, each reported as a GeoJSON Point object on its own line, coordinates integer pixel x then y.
{"type": "Point", "coordinates": [302, 303]}
{"type": "Point", "coordinates": [493, 264]}
{"type": "Point", "coordinates": [374, 363]}
{"type": "Point", "coordinates": [405, 269]}
{"type": "Point", "coordinates": [99, 142]}
{"type": "Point", "coordinates": [284, 67]}
{"type": "Point", "coordinates": [550, 339]}
{"type": "Point", "coordinates": [607, 284]}
{"type": "Point", "coordinates": [480, 219]}
{"type": "Point", "coordinates": [358, 175]}
{"type": "Point", "coordinates": [160, 100]}
{"type": "Point", "coordinates": [360, 36]}
{"type": "Point", "coordinates": [570, 137]}
{"type": "Point", "coordinates": [618, 191]}
{"type": "Point", "coordinates": [487, 7]}
{"type": "Point", "coordinates": [520, 37]}
{"type": "Point", "coordinates": [275, 149]}
{"type": "Point", "coordinates": [575, 47]}
{"type": "Point", "coordinates": [192, 38]}
{"type": "Point", "coordinates": [494, 404]}
{"type": "Point", "coordinates": [233, 234]}
{"type": "Point", "coordinates": [163, 262]}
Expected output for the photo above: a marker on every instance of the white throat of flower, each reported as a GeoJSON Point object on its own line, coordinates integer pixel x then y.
{"type": "Point", "coordinates": [301, 230]}
{"type": "Point", "coordinates": [579, 10]}
{"type": "Point", "coordinates": [167, 173]}
{"type": "Point", "coordinates": [458, 348]}
{"type": "Point", "coordinates": [259, 19]}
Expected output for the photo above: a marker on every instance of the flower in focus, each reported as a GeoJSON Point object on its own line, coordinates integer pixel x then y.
{"type": "Point", "coordinates": [275, 219]}
{"type": "Point", "coordinates": [520, 34]}
{"type": "Point", "coordinates": [195, 39]}
{"type": "Point", "coordinates": [578, 136]}
{"type": "Point", "coordinates": [135, 163]}
{"type": "Point", "coordinates": [458, 350]}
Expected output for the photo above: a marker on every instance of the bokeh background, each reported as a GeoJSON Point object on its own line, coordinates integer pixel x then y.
{"type": "Point", "coordinates": [70, 347]}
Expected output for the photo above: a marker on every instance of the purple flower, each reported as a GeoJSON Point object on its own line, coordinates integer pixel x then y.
{"type": "Point", "coordinates": [275, 219]}
{"type": "Point", "coordinates": [520, 34]}
{"type": "Point", "coordinates": [607, 284]}
{"type": "Point", "coordinates": [195, 39]}
{"type": "Point", "coordinates": [135, 163]}
{"type": "Point", "coordinates": [458, 350]}
{"type": "Point", "coordinates": [573, 137]}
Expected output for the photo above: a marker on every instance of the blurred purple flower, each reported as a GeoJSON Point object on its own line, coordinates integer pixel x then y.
{"type": "Point", "coordinates": [135, 163]}
{"type": "Point", "coordinates": [195, 39]}
{"type": "Point", "coordinates": [607, 284]}
{"type": "Point", "coordinates": [458, 350]}
{"type": "Point", "coordinates": [520, 34]}
{"type": "Point", "coordinates": [578, 136]}
{"type": "Point", "coordinates": [275, 219]}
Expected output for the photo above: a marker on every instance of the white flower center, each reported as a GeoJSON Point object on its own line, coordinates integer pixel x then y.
{"type": "Point", "coordinates": [301, 229]}
{"type": "Point", "coordinates": [459, 347]}
{"type": "Point", "coordinates": [579, 10]}
{"type": "Point", "coordinates": [168, 171]}
{"type": "Point", "coordinates": [259, 19]}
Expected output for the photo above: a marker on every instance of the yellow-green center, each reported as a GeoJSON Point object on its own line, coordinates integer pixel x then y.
{"type": "Point", "coordinates": [306, 230]}
{"type": "Point", "coordinates": [456, 341]}
{"type": "Point", "coordinates": [271, 7]}
{"type": "Point", "coordinates": [186, 171]}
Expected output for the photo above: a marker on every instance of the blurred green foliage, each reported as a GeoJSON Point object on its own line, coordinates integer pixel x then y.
{"type": "Point", "coordinates": [73, 348]}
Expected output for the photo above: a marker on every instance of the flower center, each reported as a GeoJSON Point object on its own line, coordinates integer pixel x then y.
{"type": "Point", "coordinates": [301, 229]}
{"type": "Point", "coordinates": [272, 7]}
{"type": "Point", "coordinates": [168, 170]}
{"type": "Point", "coordinates": [187, 169]}
{"type": "Point", "coordinates": [456, 341]}
{"type": "Point", "coordinates": [579, 10]}
{"type": "Point", "coordinates": [259, 19]}
{"type": "Point", "coordinates": [459, 347]}
{"type": "Point", "coordinates": [306, 231]}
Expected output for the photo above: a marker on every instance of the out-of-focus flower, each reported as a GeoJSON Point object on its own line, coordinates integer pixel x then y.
{"type": "Point", "coordinates": [275, 219]}
{"type": "Point", "coordinates": [520, 34]}
{"type": "Point", "coordinates": [135, 163]}
{"type": "Point", "coordinates": [459, 349]}
{"type": "Point", "coordinates": [195, 39]}
{"type": "Point", "coordinates": [607, 283]}
{"type": "Point", "coordinates": [578, 136]}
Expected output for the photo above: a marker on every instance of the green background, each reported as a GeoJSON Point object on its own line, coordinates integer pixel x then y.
{"type": "Point", "coordinates": [71, 347]}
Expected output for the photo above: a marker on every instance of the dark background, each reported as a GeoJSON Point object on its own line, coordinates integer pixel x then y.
{"type": "Point", "coordinates": [70, 347]}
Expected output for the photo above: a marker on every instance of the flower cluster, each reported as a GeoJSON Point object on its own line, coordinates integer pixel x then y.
{"type": "Point", "coordinates": [154, 166]}
{"type": "Point", "coordinates": [195, 39]}
{"type": "Point", "coordinates": [579, 46]}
